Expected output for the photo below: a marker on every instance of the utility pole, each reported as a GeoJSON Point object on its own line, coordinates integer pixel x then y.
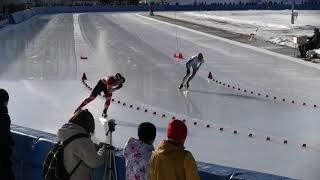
{"type": "Point", "coordinates": [292, 12]}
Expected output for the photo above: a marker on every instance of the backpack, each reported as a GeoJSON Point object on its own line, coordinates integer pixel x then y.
{"type": "Point", "coordinates": [53, 167]}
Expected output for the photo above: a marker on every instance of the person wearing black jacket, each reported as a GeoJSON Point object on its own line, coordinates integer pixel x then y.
{"type": "Point", "coordinates": [6, 142]}
{"type": "Point", "coordinates": [312, 43]}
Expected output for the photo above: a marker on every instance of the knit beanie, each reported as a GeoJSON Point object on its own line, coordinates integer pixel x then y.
{"type": "Point", "coordinates": [177, 130]}
{"type": "Point", "coordinates": [146, 132]}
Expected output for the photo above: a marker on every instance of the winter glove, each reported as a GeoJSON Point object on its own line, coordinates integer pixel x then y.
{"type": "Point", "coordinates": [102, 150]}
{"type": "Point", "coordinates": [101, 144]}
{"type": "Point", "coordinates": [120, 86]}
{"type": "Point", "coordinates": [117, 88]}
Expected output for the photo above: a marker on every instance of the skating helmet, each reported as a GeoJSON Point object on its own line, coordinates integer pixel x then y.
{"type": "Point", "coordinates": [118, 76]}
{"type": "Point", "coordinates": [200, 56]}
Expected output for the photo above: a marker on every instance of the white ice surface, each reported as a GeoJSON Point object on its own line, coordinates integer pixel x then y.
{"type": "Point", "coordinates": [41, 69]}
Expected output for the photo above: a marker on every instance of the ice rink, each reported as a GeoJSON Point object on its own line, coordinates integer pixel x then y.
{"type": "Point", "coordinates": [41, 68]}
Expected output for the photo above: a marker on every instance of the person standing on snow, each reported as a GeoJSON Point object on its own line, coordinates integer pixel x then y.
{"type": "Point", "coordinates": [312, 43]}
{"type": "Point", "coordinates": [194, 62]}
{"type": "Point", "coordinates": [6, 142]}
{"type": "Point", "coordinates": [108, 85]}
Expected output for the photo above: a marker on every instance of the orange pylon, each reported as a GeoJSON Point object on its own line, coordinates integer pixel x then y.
{"type": "Point", "coordinates": [82, 56]}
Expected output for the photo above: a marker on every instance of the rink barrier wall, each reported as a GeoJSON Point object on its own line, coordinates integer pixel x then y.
{"type": "Point", "coordinates": [31, 147]}
{"type": "Point", "coordinates": [21, 16]}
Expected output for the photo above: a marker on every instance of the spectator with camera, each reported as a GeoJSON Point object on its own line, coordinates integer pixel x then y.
{"type": "Point", "coordinates": [81, 153]}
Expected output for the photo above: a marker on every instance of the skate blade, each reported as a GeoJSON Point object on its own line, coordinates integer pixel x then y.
{"type": "Point", "coordinates": [181, 88]}
{"type": "Point", "coordinates": [102, 120]}
{"type": "Point", "coordinates": [185, 93]}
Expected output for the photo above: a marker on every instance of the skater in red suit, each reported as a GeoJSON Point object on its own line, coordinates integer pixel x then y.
{"type": "Point", "coordinates": [108, 85]}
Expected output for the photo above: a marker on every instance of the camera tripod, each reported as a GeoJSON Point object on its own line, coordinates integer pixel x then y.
{"type": "Point", "coordinates": [110, 171]}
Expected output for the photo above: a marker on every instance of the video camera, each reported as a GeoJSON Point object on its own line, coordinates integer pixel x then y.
{"type": "Point", "coordinates": [111, 126]}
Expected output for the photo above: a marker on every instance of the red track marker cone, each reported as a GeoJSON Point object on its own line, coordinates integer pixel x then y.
{"type": "Point", "coordinates": [180, 55]}
{"type": "Point", "coordinates": [84, 77]}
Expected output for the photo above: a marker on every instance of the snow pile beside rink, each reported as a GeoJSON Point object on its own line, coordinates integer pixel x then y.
{"type": "Point", "coordinates": [268, 25]}
{"type": "Point", "coordinates": [282, 41]}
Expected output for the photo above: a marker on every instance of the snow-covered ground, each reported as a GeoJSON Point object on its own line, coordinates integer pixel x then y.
{"type": "Point", "coordinates": [191, 2]}
{"type": "Point", "coordinates": [273, 26]}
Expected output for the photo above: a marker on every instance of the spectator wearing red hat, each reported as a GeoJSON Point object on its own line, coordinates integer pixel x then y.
{"type": "Point", "coordinates": [170, 160]}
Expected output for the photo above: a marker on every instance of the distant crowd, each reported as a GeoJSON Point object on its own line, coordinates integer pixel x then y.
{"type": "Point", "coordinates": [169, 160]}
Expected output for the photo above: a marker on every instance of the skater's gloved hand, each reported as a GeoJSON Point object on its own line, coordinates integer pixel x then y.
{"type": "Point", "coordinates": [119, 86]}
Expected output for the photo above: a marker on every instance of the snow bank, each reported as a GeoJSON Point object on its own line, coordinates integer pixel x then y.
{"type": "Point", "coordinates": [268, 25]}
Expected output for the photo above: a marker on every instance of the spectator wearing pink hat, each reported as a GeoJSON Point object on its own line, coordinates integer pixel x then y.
{"type": "Point", "coordinates": [170, 160]}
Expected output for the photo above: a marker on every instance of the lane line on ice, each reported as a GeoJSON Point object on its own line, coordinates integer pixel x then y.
{"type": "Point", "coordinates": [260, 95]}
{"type": "Point", "coordinates": [257, 49]}
{"type": "Point", "coordinates": [80, 43]}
